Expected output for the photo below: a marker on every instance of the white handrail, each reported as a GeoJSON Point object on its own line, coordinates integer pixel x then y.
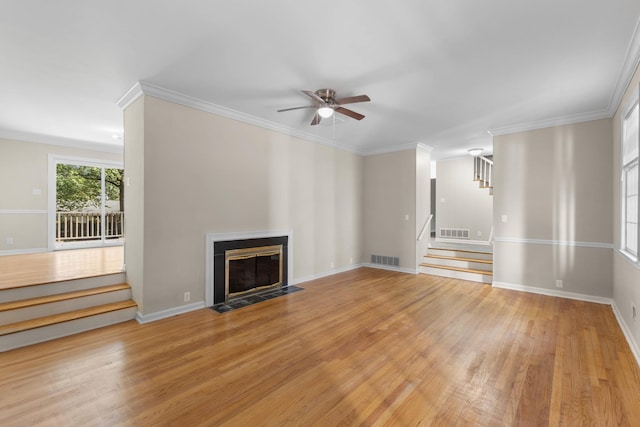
{"type": "Point", "coordinates": [424, 227]}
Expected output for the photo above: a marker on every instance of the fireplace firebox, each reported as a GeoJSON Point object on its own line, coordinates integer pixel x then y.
{"type": "Point", "coordinates": [246, 266]}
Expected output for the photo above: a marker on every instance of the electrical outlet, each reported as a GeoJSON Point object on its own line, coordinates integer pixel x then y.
{"type": "Point", "coordinates": [558, 283]}
{"type": "Point", "coordinates": [479, 233]}
{"type": "Point", "coordinates": [9, 240]}
{"type": "Point", "coordinates": [351, 260]}
{"type": "Point", "coordinates": [503, 218]}
{"type": "Point", "coordinates": [332, 265]}
{"type": "Point", "coordinates": [187, 296]}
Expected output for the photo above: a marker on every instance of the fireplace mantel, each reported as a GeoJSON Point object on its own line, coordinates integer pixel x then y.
{"type": "Point", "coordinates": [212, 238]}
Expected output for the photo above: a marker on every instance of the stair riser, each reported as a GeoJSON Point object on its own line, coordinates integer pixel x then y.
{"type": "Point", "coordinates": [461, 275]}
{"type": "Point", "coordinates": [41, 310]}
{"type": "Point", "coordinates": [46, 333]}
{"type": "Point", "coordinates": [61, 287]}
{"type": "Point", "coordinates": [459, 254]}
{"type": "Point", "coordinates": [460, 264]}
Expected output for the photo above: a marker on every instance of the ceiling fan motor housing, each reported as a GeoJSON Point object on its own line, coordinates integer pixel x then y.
{"type": "Point", "coordinates": [328, 95]}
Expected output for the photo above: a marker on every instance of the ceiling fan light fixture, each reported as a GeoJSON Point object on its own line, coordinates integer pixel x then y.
{"type": "Point", "coordinates": [475, 152]}
{"type": "Point", "coordinates": [325, 112]}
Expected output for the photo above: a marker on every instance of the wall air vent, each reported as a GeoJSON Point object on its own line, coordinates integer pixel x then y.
{"type": "Point", "coordinates": [454, 233]}
{"type": "Point", "coordinates": [385, 260]}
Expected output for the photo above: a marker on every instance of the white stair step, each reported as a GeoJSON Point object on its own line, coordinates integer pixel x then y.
{"type": "Point", "coordinates": [460, 253]}
{"type": "Point", "coordinates": [470, 276]}
{"type": "Point", "coordinates": [466, 263]}
{"type": "Point", "coordinates": [26, 292]}
{"type": "Point", "coordinates": [61, 303]}
{"type": "Point", "coordinates": [45, 329]}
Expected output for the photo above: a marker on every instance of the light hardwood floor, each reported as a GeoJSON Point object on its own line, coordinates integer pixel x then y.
{"type": "Point", "coordinates": [366, 347]}
{"type": "Point", "coordinates": [46, 267]}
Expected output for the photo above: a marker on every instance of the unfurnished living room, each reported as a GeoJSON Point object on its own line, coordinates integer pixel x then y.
{"type": "Point", "coordinates": [338, 213]}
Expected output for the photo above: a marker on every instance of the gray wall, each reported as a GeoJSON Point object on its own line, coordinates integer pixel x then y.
{"type": "Point", "coordinates": [554, 186]}
{"type": "Point", "coordinates": [459, 200]}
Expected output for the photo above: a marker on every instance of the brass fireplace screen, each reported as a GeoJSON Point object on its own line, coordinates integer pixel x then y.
{"type": "Point", "coordinates": [252, 269]}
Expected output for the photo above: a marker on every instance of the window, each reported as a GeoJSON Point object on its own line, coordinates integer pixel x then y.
{"type": "Point", "coordinates": [630, 181]}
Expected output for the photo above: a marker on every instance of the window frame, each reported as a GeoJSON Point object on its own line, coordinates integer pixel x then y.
{"type": "Point", "coordinates": [625, 168]}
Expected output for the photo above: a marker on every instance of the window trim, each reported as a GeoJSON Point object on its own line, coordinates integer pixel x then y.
{"type": "Point", "coordinates": [624, 168]}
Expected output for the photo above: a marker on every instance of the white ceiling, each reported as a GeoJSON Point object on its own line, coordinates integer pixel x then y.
{"type": "Point", "coordinates": [439, 72]}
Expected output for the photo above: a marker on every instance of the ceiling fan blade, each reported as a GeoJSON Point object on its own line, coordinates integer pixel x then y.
{"type": "Point", "coordinates": [313, 96]}
{"type": "Point", "coordinates": [296, 108]}
{"type": "Point", "coordinates": [316, 120]}
{"type": "Point", "coordinates": [349, 113]}
{"type": "Point", "coordinates": [353, 99]}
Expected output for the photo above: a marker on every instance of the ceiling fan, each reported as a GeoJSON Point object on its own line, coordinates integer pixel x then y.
{"type": "Point", "coordinates": [325, 103]}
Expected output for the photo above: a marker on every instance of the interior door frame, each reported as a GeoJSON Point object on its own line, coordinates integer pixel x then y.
{"type": "Point", "coordinates": [54, 159]}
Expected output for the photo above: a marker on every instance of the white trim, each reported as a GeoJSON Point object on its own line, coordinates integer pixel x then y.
{"type": "Point", "coordinates": [325, 274]}
{"type": "Point", "coordinates": [552, 293]}
{"type": "Point", "coordinates": [22, 211]}
{"type": "Point", "coordinates": [396, 148]}
{"type": "Point", "coordinates": [63, 142]}
{"type": "Point", "coordinates": [152, 317]}
{"type": "Point", "coordinates": [558, 121]}
{"type": "Point", "coordinates": [143, 88]}
{"type": "Point", "coordinates": [390, 268]}
{"type": "Point", "coordinates": [211, 238]}
{"type": "Point", "coordinates": [24, 251]}
{"type": "Point", "coordinates": [627, 257]}
{"type": "Point", "coordinates": [554, 242]}
{"type": "Point", "coordinates": [631, 62]}
{"type": "Point", "coordinates": [633, 345]}
{"type": "Point", "coordinates": [130, 96]}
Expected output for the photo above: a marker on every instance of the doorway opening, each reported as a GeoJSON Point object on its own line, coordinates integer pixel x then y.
{"type": "Point", "coordinates": [87, 204]}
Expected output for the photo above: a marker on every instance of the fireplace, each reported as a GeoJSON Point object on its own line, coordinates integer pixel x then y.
{"type": "Point", "coordinates": [251, 270]}
{"type": "Point", "coordinates": [244, 266]}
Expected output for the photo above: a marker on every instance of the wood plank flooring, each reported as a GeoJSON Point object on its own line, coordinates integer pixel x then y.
{"type": "Point", "coordinates": [34, 269]}
{"type": "Point", "coordinates": [366, 347]}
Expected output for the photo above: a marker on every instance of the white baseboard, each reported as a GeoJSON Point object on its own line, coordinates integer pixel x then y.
{"type": "Point", "coordinates": [152, 317]}
{"type": "Point", "coordinates": [24, 251]}
{"type": "Point", "coordinates": [635, 348]}
{"type": "Point", "coordinates": [390, 268]}
{"type": "Point", "coordinates": [324, 274]}
{"type": "Point", "coordinates": [553, 293]}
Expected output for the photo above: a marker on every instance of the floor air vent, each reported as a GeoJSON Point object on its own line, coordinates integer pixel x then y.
{"type": "Point", "coordinates": [385, 260]}
{"type": "Point", "coordinates": [454, 233]}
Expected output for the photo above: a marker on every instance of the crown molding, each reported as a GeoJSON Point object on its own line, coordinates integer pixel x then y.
{"type": "Point", "coordinates": [143, 88]}
{"type": "Point", "coordinates": [60, 141]}
{"type": "Point", "coordinates": [632, 60]}
{"type": "Point", "coordinates": [547, 123]}
{"type": "Point", "coordinates": [395, 148]}
{"type": "Point", "coordinates": [631, 63]}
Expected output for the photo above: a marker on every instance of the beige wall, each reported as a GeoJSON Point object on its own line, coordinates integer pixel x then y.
{"type": "Point", "coordinates": [626, 276]}
{"type": "Point", "coordinates": [465, 205]}
{"type": "Point", "coordinates": [423, 200]}
{"type": "Point", "coordinates": [221, 176]}
{"type": "Point", "coordinates": [554, 186]}
{"type": "Point", "coordinates": [134, 196]}
{"type": "Point", "coordinates": [390, 207]}
{"type": "Point", "coordinates": [23, 168]}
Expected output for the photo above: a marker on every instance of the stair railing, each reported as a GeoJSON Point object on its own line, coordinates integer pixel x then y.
{"type": "Point", "coordinates": [483, 171]}
{"type": "Point", "coordinates": [424, 227]}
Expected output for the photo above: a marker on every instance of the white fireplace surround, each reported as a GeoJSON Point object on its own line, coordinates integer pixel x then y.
{"type": "Point", "coordinates": [211, 238]}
